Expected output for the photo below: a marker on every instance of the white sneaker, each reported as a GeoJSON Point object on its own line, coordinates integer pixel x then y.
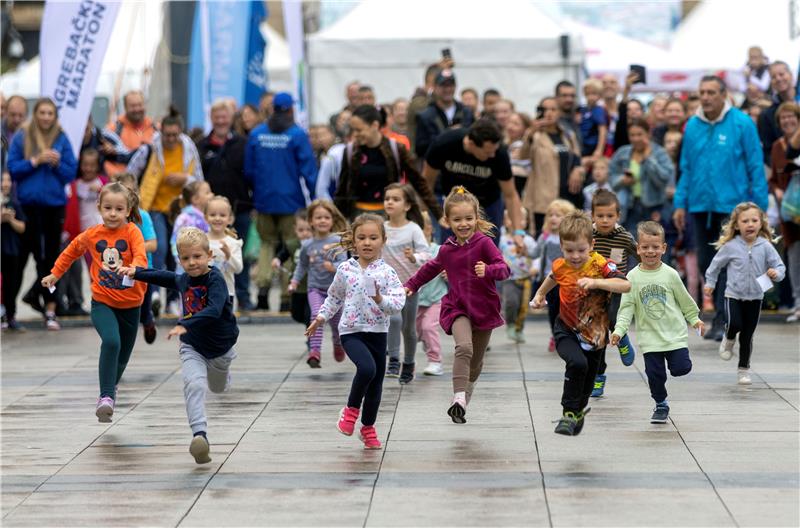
{"type": "Point", "coordinates": [433, 369]}
{"type": "Point", "coordinates": [726, 348]}
{"type": "Point", "coordinates": [793, 317]}
{"type": "Point", "coordinates": [744, 377]}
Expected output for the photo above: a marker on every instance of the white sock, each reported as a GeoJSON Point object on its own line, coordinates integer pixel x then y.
{"type": "Point", "coordinates": [461, 396]}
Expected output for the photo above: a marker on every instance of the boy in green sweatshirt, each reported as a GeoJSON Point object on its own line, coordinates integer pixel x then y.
{"type": "Point", "coordinates": [662, 307]}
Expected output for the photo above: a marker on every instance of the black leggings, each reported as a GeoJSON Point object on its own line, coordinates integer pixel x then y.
{"type": "Point", "coordinates": [742, 318]}
{"type": "Point", "coordinates": [581, 368]}
{"type": "Point", "coordinates": [42, 238]}
{"type": "Point", "coordinates": [368, 351]}
{"type": "Point", "coordinates": [11, 269]}
{"type": "Point", "coordinates": [553, 307]}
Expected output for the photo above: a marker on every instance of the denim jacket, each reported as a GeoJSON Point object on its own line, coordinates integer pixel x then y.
{"type": "Point", "coordinates": [657, 173]}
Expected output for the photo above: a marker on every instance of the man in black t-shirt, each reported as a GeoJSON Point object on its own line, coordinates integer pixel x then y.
{"type": "Point", "coordinates": [476, 159]}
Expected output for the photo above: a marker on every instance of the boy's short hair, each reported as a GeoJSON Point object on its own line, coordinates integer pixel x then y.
{"type": "Point", "coordinates": [649, 227]}
{"type": "Point", "coordinates": [593, 84]}
{"type": "Point", "coordinates": [603, 198]}
{"type": "Point", "coordinates": [190, 237]}
{"type": "Point", "coordinates": [576, 226]}
{"type": "Point", "coordinates": [602, 160]}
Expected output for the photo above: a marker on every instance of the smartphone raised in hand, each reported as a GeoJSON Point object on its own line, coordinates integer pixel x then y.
{"type": "Point", "coordinates": [641, 72]}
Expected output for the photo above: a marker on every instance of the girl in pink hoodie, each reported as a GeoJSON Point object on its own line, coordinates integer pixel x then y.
{"type": "Point", "coordinates": [471, 309]}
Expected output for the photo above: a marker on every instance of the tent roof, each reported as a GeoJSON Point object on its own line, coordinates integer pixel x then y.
{"type": "Point", "coordinates": [717, 34]}
{"type": "Point", "coordinates": [442, 19]}
{"type": "Point", "coordinates": [607, 51]}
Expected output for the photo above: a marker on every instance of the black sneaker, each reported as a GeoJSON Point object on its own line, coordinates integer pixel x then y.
{"type": "Point", "coordinates": [567, 424]}
{"type": "Point", "coordinates": [263, 299]}
{"type": "Point", "coordinates": [393, 370]}
{"type": "Point", "coordinates": [579, 425]}
{"type": "Point", "coordinates": [407, 373]}
{"type": "Point", "coordinates": [32, 299]}
{"type": "Point", "coordinates": [150, 333]}
{"type": "Point", "coordinates": [313, 362]}
{"type": "Point", "coordinates": [660, 414]}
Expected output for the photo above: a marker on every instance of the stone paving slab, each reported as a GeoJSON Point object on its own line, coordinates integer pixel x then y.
{"type": "Point", "coordinates": [730, 455]}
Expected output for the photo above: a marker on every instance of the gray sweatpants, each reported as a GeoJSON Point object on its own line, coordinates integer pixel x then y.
{"type": "Point", "coordinates": [405, 323]}
{"type": "Point", "coordinates": [199, 374]}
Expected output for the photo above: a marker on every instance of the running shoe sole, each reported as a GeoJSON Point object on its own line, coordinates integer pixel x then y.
{"type": "Point", "coordinates": [457, 413]}
{"type": "Point", "coordinates": [199, 449]}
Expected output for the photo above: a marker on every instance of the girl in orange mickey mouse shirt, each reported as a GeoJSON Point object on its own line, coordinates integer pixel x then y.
{"type": "Point", "coordinates": [115, 243]}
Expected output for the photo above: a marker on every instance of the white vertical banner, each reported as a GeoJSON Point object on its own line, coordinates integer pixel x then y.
{"type": "Point", "coordinates": [293, 22]}
{"type": "Point", "coordinates": [72, 44]}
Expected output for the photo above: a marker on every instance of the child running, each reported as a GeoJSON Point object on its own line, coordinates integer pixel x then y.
{"type": "Point", "coordinates": [287, 262]}
{"type": "Point", "coordinates": [548, 249]}
{"type": "Point", "coordinates": [517, 289]}
{"type": "Point", "coordinates": [745, 250]}
{"type": "Point", "coordinates": [226, 247]}
{"type": "Point", "coordinates": [319, 259]}
{"type": "Point", "coordinates": [207, 330]}
{"type": "Point", "coordinates": [613, 242]}
{"type": "Point", "coordinates": [429, 308]}
{"type": "Point", "coordinates": [662, 307]}
{"type": "Point", "coordinates": [187, 211]}
{"type": "Point", "coordinates": [585, 279]}
{"type": "Point", "coordinates": [115, 303]}
{"type": "Point", "coordinates": [406, 250]}
{"type": "Point", "coordinates": [150, 245]}
{"type": "Point", "coordinates": [471, 309]}
{"type": "Point", "coordinates": [368, 292]}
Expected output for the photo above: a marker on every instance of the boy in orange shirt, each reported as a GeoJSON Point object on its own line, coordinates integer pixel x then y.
{"type": "Point", "coordinates": [585, 281]}
{"type": "Point", "coordinates": [115, 243]}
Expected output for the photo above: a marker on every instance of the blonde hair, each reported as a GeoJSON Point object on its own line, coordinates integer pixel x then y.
{"type": "Point", "coordinates": [36, 139]}
{"type": "Point", "coordinates": [348, 236]}
{"type": "Point", "coordinates": [231, 232]}
{"type": "Point", "coordinates": [458, 195]}
{"type": "Point", "coordinates": [220, 104]}
{"type": "Point", "coordinates": [650, 228]}
{"type": "Point", "coordinates": [339, 221]}
{"type": "Point", "coordinates": [131, 198]}
{"type": "Point", "coordinates": [127, 179]}
{"type": "Point", "coordinates": [190, 237]}
{"type": "Point", "coordinates": [576, 226]}
{"type": "Point", "coordinates": [559, 204]}
{"type": "Point", "coordinates": [602, 160]}
{"type": "Point", "coordinates": [593, 84]}
{"type": "Point", "coordinates": [730, 228]}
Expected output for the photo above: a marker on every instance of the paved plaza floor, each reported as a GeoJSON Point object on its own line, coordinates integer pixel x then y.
{"type": "Point", "coordinates": [729, 455]}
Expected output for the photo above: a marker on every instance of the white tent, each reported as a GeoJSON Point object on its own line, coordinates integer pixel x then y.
{"type": "Point", "coordinates": [511, 46]}
{"type": "Point", "coordinates": [717, 33]}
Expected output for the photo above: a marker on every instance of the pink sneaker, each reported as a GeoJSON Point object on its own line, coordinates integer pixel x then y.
{"type": "Point", "coordinates": [552, 346]}
{"type": "Point", "coordinates": [370, 437]}
{"type": "Point", "coordinates": [338, 353]}
{"type": "Point", "coordinates": [105, 409]}
{"type": "Point", "coordinates": [347, 420]}
{"type": "Point", "coordinates": [313, 359]}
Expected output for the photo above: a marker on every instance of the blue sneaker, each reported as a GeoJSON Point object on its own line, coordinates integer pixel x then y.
{"type": "Point", "coordinates": [599, 385]}
{"type": "Point", "coordinates": [627, 353]}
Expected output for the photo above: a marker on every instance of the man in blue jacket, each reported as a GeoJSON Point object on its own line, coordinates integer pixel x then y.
{"type": "Point", "coordinates": [721, 166]}
{"type": "Point", "coordinates": [280, 165]}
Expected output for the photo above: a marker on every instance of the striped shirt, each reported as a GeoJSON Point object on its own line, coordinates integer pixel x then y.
{"type": "Point", "coordinates": [616, 246]}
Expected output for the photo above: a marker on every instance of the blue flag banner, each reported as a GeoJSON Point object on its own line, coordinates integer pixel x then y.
{"type": "Point", "coordinates": [222, 55]}
{"type": "Point", "coordinates": [256, 74]}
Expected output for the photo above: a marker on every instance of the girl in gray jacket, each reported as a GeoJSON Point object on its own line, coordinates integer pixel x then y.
{"type": "Point", "coordinates": [745, 250]}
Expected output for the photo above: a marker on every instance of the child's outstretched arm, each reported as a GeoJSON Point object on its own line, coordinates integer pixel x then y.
{"type": "Point", "coordinates": [539, 299]}
{"type": "Point", "coordinates": [424, 275]}
{"type": "Point", "coordinates": [624, 317]}
{"type": "Point", "coordinates": [164, 278]}
{"type": "Point", "coordinates": [720, 261]}
{"type": "Point", "coordinates": [613, 285]}
{"type": "Point", "coordinates": [301, 269]}
{"type": "Point", "coordinates": [73, 252]}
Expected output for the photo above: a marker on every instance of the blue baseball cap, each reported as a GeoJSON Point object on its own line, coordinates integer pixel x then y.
{"type": "Point", "coordinates": [282, 101]}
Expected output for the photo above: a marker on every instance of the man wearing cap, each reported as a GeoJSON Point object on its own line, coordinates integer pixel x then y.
{"type": "Point", "coordinates": [280, 165]}
{"type": "Point", "coordinates": [443, 113]}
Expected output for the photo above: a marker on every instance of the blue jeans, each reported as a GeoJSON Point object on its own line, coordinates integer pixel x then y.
{"type": "Point", "coordinates": [242, 280]}
{"type": "Point", "coordinates": [678, 362]}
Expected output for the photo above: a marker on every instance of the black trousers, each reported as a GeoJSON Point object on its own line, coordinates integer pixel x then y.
{"type": "Point", "coordinates": [11, 268]}
{"type": "Point", "coordinates": [742, 318]}
{"type": "Point", "coordinates": [707, 227]}
{"type": "Point", "coordinates": [42, 239]}
{"type": "Point", "coordinates": [368, 351]}
{"type": "Point", "coordinates": [613, 308]}
{"type": "Point", "coordinates": [581, 368]}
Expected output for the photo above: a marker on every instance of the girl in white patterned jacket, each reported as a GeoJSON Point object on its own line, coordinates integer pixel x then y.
{"type": "Point", "coordinates": [370, 292]}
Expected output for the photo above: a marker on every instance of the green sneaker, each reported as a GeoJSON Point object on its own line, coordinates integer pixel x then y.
{"type": "Point", "coordinates": [580, 416]}
{"type": "Point", "coordinates": [599, 386]}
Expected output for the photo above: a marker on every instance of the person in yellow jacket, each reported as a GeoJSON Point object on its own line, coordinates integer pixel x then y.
{"type": "Point", "coordinates": [164, 168]}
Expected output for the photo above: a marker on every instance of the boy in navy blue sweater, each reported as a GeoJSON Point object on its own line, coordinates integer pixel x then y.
{"type": "Point", "coordinates": [207, 331]}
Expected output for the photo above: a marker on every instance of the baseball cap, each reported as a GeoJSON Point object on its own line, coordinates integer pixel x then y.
{"type": "Point", "coordinates": [282, 101]}
{"type": "Point", "coordinates": [444, 77]}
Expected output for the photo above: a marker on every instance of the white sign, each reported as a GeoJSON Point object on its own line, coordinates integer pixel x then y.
{"type": "Point", "coordinates": [73, 40]}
